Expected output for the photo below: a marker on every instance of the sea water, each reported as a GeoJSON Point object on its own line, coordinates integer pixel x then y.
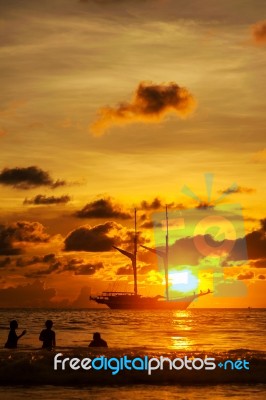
{"type": "Point", "coordinates": [218, 333]}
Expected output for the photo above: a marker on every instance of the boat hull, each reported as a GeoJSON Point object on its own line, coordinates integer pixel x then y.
{"type": "Point", "coordinates": [143, 303]}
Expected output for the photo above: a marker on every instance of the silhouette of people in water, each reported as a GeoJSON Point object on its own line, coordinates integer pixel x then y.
{"type": "Point", "coordinates": [98, 341]}
{"type": "Point", "coordinates": [13, 338]}
{"type": "Point", "coordinates": [47, 336]}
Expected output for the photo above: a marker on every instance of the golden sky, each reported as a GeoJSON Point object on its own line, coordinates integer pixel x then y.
{"type": "Point", "coordinates": [108, 105]}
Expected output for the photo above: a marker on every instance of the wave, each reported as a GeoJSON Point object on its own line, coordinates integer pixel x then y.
{"type": "Point", "coordinates": [19, 367]}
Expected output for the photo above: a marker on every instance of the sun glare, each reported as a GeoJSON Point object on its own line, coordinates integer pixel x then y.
{"type": "Point", "coordinates": [183, 281]}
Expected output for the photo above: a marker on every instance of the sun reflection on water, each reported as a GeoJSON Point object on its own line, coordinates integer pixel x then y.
{"type": "Point", "coordinates": [182, 322]}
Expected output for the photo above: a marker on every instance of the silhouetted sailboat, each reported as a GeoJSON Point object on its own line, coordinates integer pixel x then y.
{"type": "Point", "coordinates": [135, 301]}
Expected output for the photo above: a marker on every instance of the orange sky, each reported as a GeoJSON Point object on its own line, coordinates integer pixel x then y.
{"type": "Point", "coordinates": [107, 106]}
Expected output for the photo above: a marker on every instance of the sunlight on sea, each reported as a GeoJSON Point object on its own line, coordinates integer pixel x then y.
{"type": "Point", "coordinates": [195, 329]}
{"type": "Point", "coordinates": [151, 392]}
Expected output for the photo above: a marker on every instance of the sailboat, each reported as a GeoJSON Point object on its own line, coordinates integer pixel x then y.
{"type": "Point", "coordinates": [134, 300]}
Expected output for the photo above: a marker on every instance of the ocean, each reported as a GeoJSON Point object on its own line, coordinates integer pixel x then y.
{"type": "Point", "coordinates": [221, 334]}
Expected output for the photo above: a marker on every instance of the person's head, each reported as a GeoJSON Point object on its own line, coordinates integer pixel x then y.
{"type": "Point", "coordinates": [96, 336]}
{"type": "Point", "coordinates": [14, 324]}
{"type": "Point", "coordinates": [49, 324]}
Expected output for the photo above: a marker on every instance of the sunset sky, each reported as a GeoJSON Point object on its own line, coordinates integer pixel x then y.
{"type": "Point", "coordinates": [111, 105]}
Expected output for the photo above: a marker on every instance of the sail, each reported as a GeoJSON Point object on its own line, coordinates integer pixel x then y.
{"type": "Point", "coordinates": [155, 251]}
{"type": "Point", "coordinates": [126, 253]}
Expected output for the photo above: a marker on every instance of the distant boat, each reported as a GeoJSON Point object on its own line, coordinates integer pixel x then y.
{"type": "Point", "coordinates": [135, 301]}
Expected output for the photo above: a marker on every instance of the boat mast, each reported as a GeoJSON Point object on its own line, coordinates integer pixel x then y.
{"type": "Point", "coordinates": [166, 257]}
{"type": "Point", "coordinates": [132, 256]}
{"type": "Point", "coordinates": [134, 260]}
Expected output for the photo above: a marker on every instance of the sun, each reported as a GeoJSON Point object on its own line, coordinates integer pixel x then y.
{"type": "Point", "coordinates": [183, 281]}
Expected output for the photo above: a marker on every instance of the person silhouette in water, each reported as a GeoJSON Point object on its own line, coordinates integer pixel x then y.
{"type": "Point", "coordinates": [47, 336]}
{"type": "Point", "coordinates": [97, 341]}
{"type": "Point", "coordinates": [13, 338]}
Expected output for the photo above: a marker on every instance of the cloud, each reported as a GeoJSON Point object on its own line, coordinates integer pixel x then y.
{"type": "Point", "coordinates": [98, 238]}
{"type": "Point", "coordinates": [89, 269]}
{"type": "Point", "coordinates": [151, 103]}
{"type": "Point", "coordinates": [237, 189]}
{"type": "Point", "coordinates": [28, 295]}
{"type": "Point", "coordinates": [5, 262]}
{"type": "Point", "coordinates": [28, 178]}
{"type": "Point", "coordinates": [245, 275]}
{"type": "Point", "coordinates": [142, 270]}
{"type": "Point", "coordinates": [183, 251]}
{"type": "Point", "coordinates": [261, 277]}
{"type": "Point", "coordinates": [55, 265]}
{"type": "Point", "coordinates": [127, 270]}
{"type": "Point", "coordinates": [155, 204]}
{"type": "Point", "coordinates": [204, 205]}
{"type": "Point", "coordinates": [47, 271]}
{"type": "Point", "coordinates": [259, 32]}
{"type": "Point", "coordinates": [102, 238]}
{"type": "Point", "coordinates": [261, 263]}
{"type": "Point", "coordinates": [42, 199]}
{"type": "Point", "coordinates": [254, 242]}
{"type": "Point", "coordinates": [22, 231]}
{"type": "Point", "coordinates": [150, 225]}
{"type": "Point", "coordinates": [24, 262]}
{"type": "Point", "coordinates": [80, 267]}
{"type": "Point", "coordinates": [102, 208]}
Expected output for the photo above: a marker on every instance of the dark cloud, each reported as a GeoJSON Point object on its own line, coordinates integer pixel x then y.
{"type": "Point", "coordinates": [81, 267]}
{"type": "Point", "coordinates": [237, 189]}
{"type": "Point", "coordinates": [42, 272]}
{"type": "Point", "coordinates": [183, 251]}
{"type": "Point", "coordinates": [150, 225]}
{"type": "Point", "coordinates": [24, 262]}
{"type": "Point", "coordinates": [245, 275]}
{"type": "Point", "coordinates": [6, 244]}
{"type": "Point", "coordinates": [151, 103]}
{"type": "Point", "coordinates": [102, 238]}
{"type": "Point", "coordinates": [5, 262]}
{"type": "Point", "coordinates": [42, 199]}
{"type": "Point", "coordinates": [28, 178]}
{"type": "Point", "coordinates": [204, 206]}
{"type": "Point", "coordinates": [21, 231]}
{"type": "Point", "coordinates": [261, 263]}
{"type": "Point", "coordinates": [153, 205]}
{"type": "Point", "coordinates": [259, 32]}
{"type": "Point", "coordinates": [142, 270]}
{"type": "Point", "coordinates": [148, 257]}
{"type": "Point", "coordinates": [49, 258]}
{"type": "Point", "coordinates": [261, 277]}
{"type": "Point", "coordinates": [188, 250]}
{"type": "Point", "coordinates": [71, 265]}
{"type": "Point", "coordinates": [33, 294]}
{"type": "Point", "coordinates": [127, 270]}
{"type": "Point", "coordinates": [102, 208]}
{"type": "Point", "coordinates": [254, 242]}
{"type": "Point", "coordinates": [89, 269]}
{"type": "Point", "coordinates": [93, 239]}
{"type": "Point", "coordinates": [57, 265]}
